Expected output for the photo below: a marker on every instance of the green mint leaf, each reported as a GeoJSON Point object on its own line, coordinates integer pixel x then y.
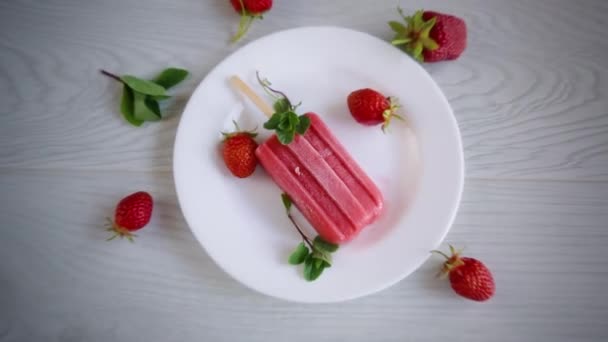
{"type": "Point", "coordinates": [160, 97]}
{"type": "Point", "coordinates": [318, 254]}
{"type": "Point", "coordinates": [299, 255]}
{"type": "Point", "coordinates": [143, 86]}
{"type": "Point", "coordinates": [308, 265]}
{"type": "Point", "coordinates": [286, 201]}
{"type": "Point", "coordinates": [145, 110]}
{"type": "Point", "coordinates": [293, 120]}
{"type": "Point", "coordinates": [282, 105]}
{"type": "Point", "coordinates": [303, 124]}
{"type": "Point", "coordinates": [170, 77]}
{"type": "Point", "coordinates": [153, 106]}
{"type": "Point", "coordinates": [127, 108]}
{"type": "Point", "coordinates": [284, 125]}
{"type": "Point", "coordinates": [274, 121]}
{"type": "Point", "coordinates": [316, 270]}
{"type": "Point", "coordinates": [323, 245]}
{"type": "Point", "coordinates": [285, 137]}
{"type": "Point", "coordinates": [396, 26]}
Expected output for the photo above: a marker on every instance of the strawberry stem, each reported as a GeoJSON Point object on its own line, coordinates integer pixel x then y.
{"type": "Point", "coordinates": [244, 25]}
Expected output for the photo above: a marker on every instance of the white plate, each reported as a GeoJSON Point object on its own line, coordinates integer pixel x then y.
{"type": "Point", "coordinates": [241, 223]}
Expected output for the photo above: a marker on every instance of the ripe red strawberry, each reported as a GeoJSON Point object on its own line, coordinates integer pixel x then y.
{"type": "Point", "coordinates": [239, 153]}
{"type": "Point", "coordinates": [254, 7]}
{"type": "Point", "coordinates": [249, 11]}
{"type": "Point", "coordinates": [431, 36]}
{"type": "Point", "coordinates": [469, 277]}
{"type": "Point", "coordinates": [370, 107]}
{"type": "Point", "coordinates": [132, 213]}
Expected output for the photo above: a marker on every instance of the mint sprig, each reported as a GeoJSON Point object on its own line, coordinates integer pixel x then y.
{"type": "Point", "coordinates": [315, 254]}
{"type": "Point", "coordinates": [140, 98]}
{"type": "Point", "coordinates": [284, 121]}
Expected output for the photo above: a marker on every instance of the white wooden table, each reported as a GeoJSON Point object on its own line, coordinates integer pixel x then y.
{"type": "Point", "coordinates": [531, 98]}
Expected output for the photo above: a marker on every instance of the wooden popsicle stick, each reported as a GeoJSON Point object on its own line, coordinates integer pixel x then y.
{"type": "Point", "coordinates": [240, 85]}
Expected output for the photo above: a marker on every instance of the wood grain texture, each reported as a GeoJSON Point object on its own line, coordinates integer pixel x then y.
{"type": "Point", "coordinates": [528, 92]}
{"type": "Point", "coordinates": [530, 98]}
{"type": "Point", "coordinates": [545, 242]}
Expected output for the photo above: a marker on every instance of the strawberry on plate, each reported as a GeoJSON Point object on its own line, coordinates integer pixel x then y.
{"type": "Point", "coordinates": [249, 11]}
{"type": "Point", "coordinates": [238, 152]}
{"type": "Point", "coordinates": [430, 36]}
{"type": "Point", "coordinates": [132, 213]}
{"type": "Point", "coordinates": [370, 107]}
{"type": "Point", "coordinates": [469, 277]}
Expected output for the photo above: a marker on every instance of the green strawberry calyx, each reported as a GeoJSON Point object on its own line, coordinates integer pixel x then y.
{"type": "Point", "coordinates": [390, 113]}
{"type": "Point", "coordinates": [118, 231]}
{"type": "Point", "coordinates": [227, 135]}
{"type": "Point", "coordinates": [452, 261]}
{"type": "Point", "coordinates": [414, 35]}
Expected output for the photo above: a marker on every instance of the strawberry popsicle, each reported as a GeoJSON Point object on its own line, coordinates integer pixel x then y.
{"type": "Point", "coordinates": [324, 182]}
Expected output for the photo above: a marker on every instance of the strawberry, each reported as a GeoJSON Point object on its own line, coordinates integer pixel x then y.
{"type": "Point", "coordinates": [132, 213]}
{"type": "Point", "coordinates": [370, 107]}
{"type": "Point", "coordinates": [249, 11]}
{"type": "Point", "coordinates": [254, 7]}
{"type": "Point", "coordinates": [239, 152]}
{"type": "Point", "coordinates": [469, 277]}
{"type": "Point", "coordinates": [430, 36]}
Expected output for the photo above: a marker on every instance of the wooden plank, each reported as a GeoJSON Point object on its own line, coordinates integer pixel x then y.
{"type": "Point", "coordinates": [545, 242]}
{"type": "Point", "coordinates": [530, 105]}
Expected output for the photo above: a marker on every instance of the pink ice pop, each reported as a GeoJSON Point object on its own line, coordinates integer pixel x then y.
{"type": "Point", "coordinates": [324, 182]}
